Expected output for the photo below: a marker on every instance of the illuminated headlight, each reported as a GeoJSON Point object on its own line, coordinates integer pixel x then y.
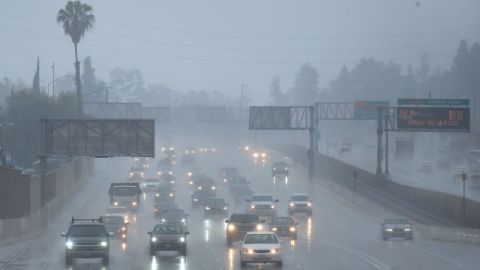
{"type": "Point", "coordinates": [264, 155]}
{"type": "Point", "coordinates": [252, 206]}
{"type": "Point", "coordinates": [157, 195]}
{"type": "Point", "coordinates": [292, 229]}
{"type": "Point", "coordinates": [191, 182]}
{"type": "Point", "coordinates": [213, 188]}
{"type": "Point", "coordinates": [213, 150]}
{"type": "Point", "coordinates": [195, 200]}
{"type": "Point", "coordinates": [124, 236]}
{"type": "Point", "coordinates": [172, 182]}
{"type": "Point", "coordinates": [246, 148]}
{"type": "Point", "coordinates": [255, 155]}
{"type": "Point", "coordinates": [225, 208]}
{"type": "Point", "coordinates": [274, 169]}
{"type": "Point", "coordinates": [134, 203]}
{"type": "Point", "coordinates": [275, 251]}
{"type": "Point", "coordinates": [224, 180]}
{"type": "Point", "coordinates": [141, 174]}
{"type": "Point", "coordinates": [272, 206]}
{"type": "Point", "coordinates": [124, 228]}
{"type": "Point", "coordinates": [250, 251]}
{"type": "Point", "coordinates": [115, 203]}
{"type": "Point", "coordinates": [389, 230]}
{"type": "Point", "coordinates": [163, 149]}
{"type": "Point", "coordinates": [163, 220]}
{"type": "Point", "coordinates": [187, 152]}
{"type": "Point", "coordinates": [171, 194]}
{"type": "Point", "coordinates": [231, 227]}
{"type": "Point", "coordinates": [286, 169]}
{"type": "Point", "coordinates": [159, 173]}
{"type": "Point", "coordinates": [171, 148]}
{"type": "Point", "coordinates": [170, 172]}
{"type": "Point", "coordinates": [144, 184]}
{"type": "Point", "coordinates": [193, 151]}
{"type": "Point", "coordinates": [259, 227]}
{"type": "Point", "coordinates": [309, 204]}
{"type": "Point", "coordinates": [189, 173]}
{"type": "Point", "coordinates": [69, 244]}
{"type": "Point", "coordinates": [274, 229]}
{"type": "Point", "coordinates": [292, 204]}
{"type": "Point", "coordinates": [184, 220]}
{"type": "Point", "coordinates": [408, 229]}
{"type": "Point", "coordinates": [207, 208]}
{"type": "Point", "coordinates": [200, 187]}
{"type": "Point", "coordinates": [103, 243]}
{"type": "Point", "coordinates": [182, 239]}
{"type": "Point", "coordinates": [131, 174]}
{"type": "Point", "coordinates": [153, 239]}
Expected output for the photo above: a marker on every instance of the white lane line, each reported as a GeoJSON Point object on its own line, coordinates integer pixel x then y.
{"type": "Point", "coordinates": [440, 257]}
{"type": "Point", "coordinates": [363, 256]}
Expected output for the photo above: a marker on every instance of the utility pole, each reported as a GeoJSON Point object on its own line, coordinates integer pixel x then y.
{"type": "Point", "coordinates": [243, 94]}
{"type": "Point", "coordinates": [53, 79]}
{"type": "Point", "coordinates": [464, 179]}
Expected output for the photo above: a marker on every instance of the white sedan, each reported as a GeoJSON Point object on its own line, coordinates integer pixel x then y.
{"type": "Point", "coordinates": [260, 247]}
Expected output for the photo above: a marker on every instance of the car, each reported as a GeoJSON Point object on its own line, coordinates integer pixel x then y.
{"type": "Point", "coordinates": [299, 203]}
{"type": "Point", "coordinates": [166, 180]}
{"type": "Point", "coordinates": [87, 238]}
{"type": "Point", "coordinates": [196, 177]}
{"type": "Point", "coordinates": [242, 193]}
{"type": "Point", "coordinates": [163, 205]}
{"type": "Point", "coordinates": [236, 183]}
{"type": "Point", "coordinates": [164, 191]}
{"type": "Point", "coordinates": [117, 225]}
{"type": "Point", "coordinates": [136, 173]}
{"type": "Point", "coordinates": [174, 215]}
{"type": "Point", "coordinates": [260, 156]}
{"type": "Point", "coordinates": [227, 173]}
{"type": "Point", "coordinates": [206, 184]}
{"type": "Point", "coordinates": [262, 205]}
{"type": "Point", "coordinates": [239, 224]}
{"type": "Point", "coordinates": [284, 226]}
{"type": "Point", "coordinates": [425, 167]}
{"type": "Point", "coordinates": [168, 237]}
{"type": "Point", "coordinates": [279, 168]}
{"type": "Point", "coordinates": [244, 148]}
{"type": "Point", "coordinates": [260, 247]}
{"type": "Point", "coordinates": [198, 197]}
{"type": "Point", "coordinates": [397, 227]}
{"type": "Point", "coordinates": [143, 162]}
{"type": "Point", "coordinates": [164, 167]}
{"type": "Point", "coordinates": [118, 211]}
{"type": "Point", "coordinates": [150, 184]}
{"type": "Point", "coordinates": [207, 149]}
{"type": "Point", "coordinates": [170, 154]}
{"type": "Point", "coordinates": [193, 170]}
{"type": "Point", "coordinates": [125, 194]}
{"type": "Point", "coordinates": [189, 155]}
{"type": "Point", "coordinates": [215, 206]}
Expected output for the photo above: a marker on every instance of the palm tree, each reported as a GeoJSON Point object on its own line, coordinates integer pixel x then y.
{"type": "Point", "coordinates": [76, 18]}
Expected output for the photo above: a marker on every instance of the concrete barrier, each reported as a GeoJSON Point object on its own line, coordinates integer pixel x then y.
{"type": "Point", "coordinates": [442, 205]}
{"type": "Point", "coordinates": [63, 182]}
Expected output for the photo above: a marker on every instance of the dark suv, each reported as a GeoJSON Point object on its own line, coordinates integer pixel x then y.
{"type": "Point", "coordinates": [87, 238]}
{"type": "Point", "coordinates": [168, 237]}
{"type": "Point", "coordinates": [240, 224]}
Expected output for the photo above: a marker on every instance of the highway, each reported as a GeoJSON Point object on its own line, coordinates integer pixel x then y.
{"type": "Point", "coordinates": [343, 233]}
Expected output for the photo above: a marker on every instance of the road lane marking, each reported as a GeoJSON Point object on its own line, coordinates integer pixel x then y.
{"type": "Point", "coordinates": [440, 257]}
{"type": "Point", "coordinates": [363, 256]}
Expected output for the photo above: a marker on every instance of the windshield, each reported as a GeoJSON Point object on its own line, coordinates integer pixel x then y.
{"type": "Point", "coordinates": [168, 229]}
{"type": "Point", "coordinates": [299, 198]}
{"type": "Point", "coordinates": [112, 220]}
{"type": "Point", "coordinates": [117, 210]}
{"type": "Point", "coordinates": [262, 198]}
{"type": "Point", "coordinates": [125, 191]}
{"type": "Point", "coordinates": [269, 238]}
{"type": "Point", "coordinates": [283, 221]}
{"type": "Point", "coordinates": [397, 221]}
{"type": "Point", "coordinates": [215, 202]}
{"type": "Point", "coordinates": [93, 230]}
{"type": "Point", "coordinates": [280, 164]}
{"type": "Point", "coordinates": [245, 218]}
{"type": "Point", "coordinates": [136, 169]}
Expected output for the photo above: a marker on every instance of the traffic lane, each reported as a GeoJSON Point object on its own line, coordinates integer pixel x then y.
{"type": "Point", "coordinates": [364, 233]}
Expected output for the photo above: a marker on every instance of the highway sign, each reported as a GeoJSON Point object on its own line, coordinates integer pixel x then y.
{"type": "Point", "coordinates": [432, 102]}
{"type": "Point", "coordinates": [433, 119]}
{"type": "Point", "coordinates": [280, 117]}
{"type": "Point", "coordinates": [367, 110]}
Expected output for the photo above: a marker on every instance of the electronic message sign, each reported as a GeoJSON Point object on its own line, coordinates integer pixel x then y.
{"type": "Point", "coordinates": [433, 119]}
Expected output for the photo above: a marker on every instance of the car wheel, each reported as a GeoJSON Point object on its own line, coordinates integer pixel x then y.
{"type": "Point", "coordinates": [68, 261]}
{"type": "Point", "coordinates": [279, 264]}
{"type": "Point", "coordinates": [105, 260]}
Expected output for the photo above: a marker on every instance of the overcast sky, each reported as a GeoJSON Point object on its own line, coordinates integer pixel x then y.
{"type": "Point", "coordinates": [219, 44]}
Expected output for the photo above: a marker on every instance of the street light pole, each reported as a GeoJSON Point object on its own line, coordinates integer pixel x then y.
{"type": "Point", "coordinates": [464, 179]}
{"type": "Point", "coordinates": [53, 79]}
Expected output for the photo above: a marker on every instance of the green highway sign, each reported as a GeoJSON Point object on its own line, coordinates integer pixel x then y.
{"type": "Point", "coordinates": [432, 102]}
{"type": "Point", "coordinates": [367, 110]}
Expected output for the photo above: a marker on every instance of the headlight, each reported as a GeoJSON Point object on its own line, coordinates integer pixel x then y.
{"type": "Point", "coordinates": [153, 239]}
{"type": "Point", "coordinates": [170, 172]}
{"type": "Point", "coordinates": [172, 182]}
{"type": "Point", "coordinates": [144, 184]}
{"type": "Point", "coordinates": [141, 173]}
{"type": "Point", "coordinates": [407, 229]}
{"type": "Point", "coordinates": [275, 250]}
{"type": "Point", "coordinates": [191, 182]}
{"type": "Point", "coordinates": [124, 228]}
{"type": "Point", "coordinates": [193, 152]}
{"type": "Point", "coordinates": [292, 205]}
{"type": "Point", "coordinates": [159, 173]}
{"type": "Point", "coordinates": [231, 227]}
{"type": "Point", "coordinates": [389, 230]}
{"type": "Point", "coordinates": [189, 174]}
{"type": "Point", "coordinates": [131, 174]}
{"type": "Point", "coordinates": [246, 148]}
{"type": "Point", "coordinates": [255, 155]}
{"type": "Point", "coordinates": [187, 152]}
{"type": "Point", "coordinates": [200, 187]}
{"type": "Point", "coordinates": [274, 229]}
{"type": "Point", "coordinates": [292, 229]}
{"type": "Point", "coordinates": [286, 169]}
{"type": "Point", "coordinates": [69, 244]}
{"type": "Point", "coordinates": [252, 206]}
{"type": "Point", "coordinates": [225, 208]}
{"type": "Point", "coordinates": [309, 204]}
{"type": "Point", "coordinates": [184, 220]}
{"type": "Point", "coordinates": [103, 243]}
{"type": "Point", "coordinates": [171, 194]}
{"type": "Point", "coordinates": [182, 239]}
{"type": "Point", "coordinates": [213, 188]}
{"type": "Point", "coordinates": [274, 169]}
{"type": "Point", "coordinates": [272, 206]}
{"type": "Point", "coordinates": [157, 195]}
{"type": "Point", "coordinates": [195, 200]}
{"type": "Point", "coordinates": [259, 227]}
{"type": "Point", "coordinates": [250, 251]}
{"type": "Point", "coordinates": [163, 220]}
{"type": "Point", "coordinates": [115, 203]}
{"type": "Point", "coordinates": [264, 155]}
{"type": "Point", "coordinates": [124, 236]}
{"type": "Point", "coordinates": [134, 203]}
{"type": "Point", "coordinates": [207, 208]}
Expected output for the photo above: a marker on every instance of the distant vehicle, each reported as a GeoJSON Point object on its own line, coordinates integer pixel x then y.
{"type": "Point", "coordinates": [164, 191]}
{"type": "Point", "coordinates": [189, 155]}
{"type": "Point", "coordinates": [193, 170]}
{"type": "Point", "coordinates": [237, 183]}
{"type": "Point", "coordinates": [136, 173]}
{"type": "Point", "coordinates": [206, 184]}
{"type": "Point", "coordinates": [425, 167]}
{"type": "Point", "coordinates": [175, 215]}
{"type": "Point", "coordinates": [169, 153]}
{"type": "Point", "coordinates": [215, 206]}
{"type": "Point", "coordinates": [87, 238]}
{"type": "Point", "coordinates": [474, 167]}
{"type": "Point", "coordinates": [207, 149]}
{"type": "Point", "coordinates": [168, 237]}
{"type": "Point", "coordinates": [228, 173]}
{"type": "Point", "coordinates": [260, 156]}
{"type": "Point", "coordinates": [299, 203]}
{"type": "Point", "coordinates": [262, 205]}
{"type": "Point", "coordinates": [195, 178]}
{"type": "Point", "coordinates": [284, 226]}
{"type": "Point", "coordinates": [397, 227]}
{"type": "Point", "coordinates": [143, 162]}
{"type": "Point", "coordinates": [242, 193]}
{"type": "Point", "coordinates": [150, 183]}
{"type": "Point", "coordinates": [244, 148]}
{"type": "Point", "coordinates": [118, 211]}
{"type": "Point", "coordinates": [116, 225]}
{"type": "Point", "coordinates": [260, 247]}
{"type": "Point", "coordinates": [240, 224]}
{"type": "Point", "coordinates": [199, 197]}
{"type": "Point", "coordinates": [279, 168]}
{"type": "Point", "coordinates": [164, 167]}
{"type": "Point", "coordinates": [163, 205]}
{"type": "Point", "coordinates": [125, 194]}
{"type": "Point", "coordinates": [166, 180]}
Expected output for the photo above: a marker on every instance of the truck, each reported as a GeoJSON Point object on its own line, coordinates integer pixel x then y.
{"type": "Point", "coordinates": [125, 194]}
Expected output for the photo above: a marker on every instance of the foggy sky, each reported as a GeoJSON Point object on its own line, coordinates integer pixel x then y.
{"type": "Point", "coordinates": [219, 44]}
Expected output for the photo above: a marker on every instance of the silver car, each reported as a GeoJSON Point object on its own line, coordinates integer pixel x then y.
{"type": "Point", "coordinates": [397, 227]}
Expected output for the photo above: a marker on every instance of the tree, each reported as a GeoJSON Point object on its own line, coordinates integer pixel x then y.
{"type": "Point", "coordinates": [36, 79]}
{"type": "Point", "coordinates": [276, 93]}
{"type": "Point", "coordinates": [93, 88]}
{"type": "Point", "coordinates": [424, 70]}
{"type": "Point", "coordinates": [305, 90]}
{"type": "Point", "coordinates": [76, 19]}
{"type": "Point", "coordinates": [128, 82]}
